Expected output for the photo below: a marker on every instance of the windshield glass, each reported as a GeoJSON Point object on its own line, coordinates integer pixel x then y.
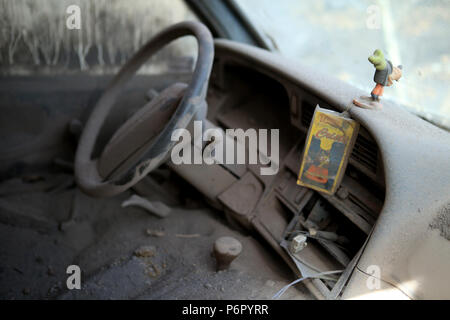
{"type": "Point", "coordinates": [337, 37]}
{"type": "Point", "coordinates": [89, 36]}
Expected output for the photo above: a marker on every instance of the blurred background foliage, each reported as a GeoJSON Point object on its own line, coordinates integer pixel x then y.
{"type": "Point", "coordinates": [34, 37]}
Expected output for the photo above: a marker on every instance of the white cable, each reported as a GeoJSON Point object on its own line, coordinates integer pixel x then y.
{"type": "Point", "coordinates": [317, 275]}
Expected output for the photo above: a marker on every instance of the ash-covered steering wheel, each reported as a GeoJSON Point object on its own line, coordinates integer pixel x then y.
{"type": "Point", "coordinates": [142, 143]}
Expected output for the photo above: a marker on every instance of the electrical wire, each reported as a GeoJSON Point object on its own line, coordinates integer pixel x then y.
{"type": "Point", "coordinates": [317, 275]}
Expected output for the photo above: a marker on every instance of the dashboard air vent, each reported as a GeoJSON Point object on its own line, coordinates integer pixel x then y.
{"type": "Point", "coordinates": [365, 153]}
{"type": "Point", "coordinates": [307, 114]}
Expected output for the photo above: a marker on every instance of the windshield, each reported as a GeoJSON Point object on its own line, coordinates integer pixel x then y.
{"type": "Point", "coordinates": [337, 37]}
{"type": "Point", "coordinates": [89, 36]}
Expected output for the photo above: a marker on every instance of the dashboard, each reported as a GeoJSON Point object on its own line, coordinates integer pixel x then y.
{"type": "Point", "coordinates": [397, 182]}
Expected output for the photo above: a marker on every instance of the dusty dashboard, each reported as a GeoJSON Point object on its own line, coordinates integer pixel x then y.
{"type": "Point", "coordinates": [377, 217]}
{"type": "Point", "coordinates": [244, 95]}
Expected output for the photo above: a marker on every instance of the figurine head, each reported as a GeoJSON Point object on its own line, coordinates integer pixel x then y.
{"type": "Point", "coordinates": [378, 60]}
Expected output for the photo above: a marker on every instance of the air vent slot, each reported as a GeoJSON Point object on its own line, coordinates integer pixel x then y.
{"type": "Point", "coordinates": [366, 213]}
{"type": "Point", "coordinates": [307, 113]}
{"type": "Point", "coordinates": [365, 153]}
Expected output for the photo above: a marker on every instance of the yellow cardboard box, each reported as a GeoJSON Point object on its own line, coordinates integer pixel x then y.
{"type": "Point", "coordinates": [330, 140]}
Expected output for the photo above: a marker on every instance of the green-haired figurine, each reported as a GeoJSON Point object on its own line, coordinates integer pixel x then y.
{"type": "Point", "coordinates": [385, 74]}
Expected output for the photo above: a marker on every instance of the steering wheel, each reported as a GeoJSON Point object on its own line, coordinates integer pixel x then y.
{"type": "Point", "coordinates": [143, 142]}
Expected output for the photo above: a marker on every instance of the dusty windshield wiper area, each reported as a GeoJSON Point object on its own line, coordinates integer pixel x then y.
{"type": "Point", "coordinates": [337, 37]}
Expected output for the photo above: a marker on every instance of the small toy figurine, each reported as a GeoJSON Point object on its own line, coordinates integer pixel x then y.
{"type": "Point", "coordinates": [385, 74]}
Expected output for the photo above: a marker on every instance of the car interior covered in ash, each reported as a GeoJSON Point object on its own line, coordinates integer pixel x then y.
{"type": "Point", "coordinates": [87, 179]}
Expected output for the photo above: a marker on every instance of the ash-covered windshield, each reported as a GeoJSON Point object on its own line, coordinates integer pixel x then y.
{"type": "Point", "coordinates": [337, 37]}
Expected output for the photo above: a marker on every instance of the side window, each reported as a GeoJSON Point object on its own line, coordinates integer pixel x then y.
{"type": "Point", "coordinates": [93, 36]}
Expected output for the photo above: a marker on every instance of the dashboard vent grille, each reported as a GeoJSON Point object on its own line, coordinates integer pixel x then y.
{"type": "Point", "coordinates": [307, 114]}
{"type": "Point", "coordinates": [365, 152]}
